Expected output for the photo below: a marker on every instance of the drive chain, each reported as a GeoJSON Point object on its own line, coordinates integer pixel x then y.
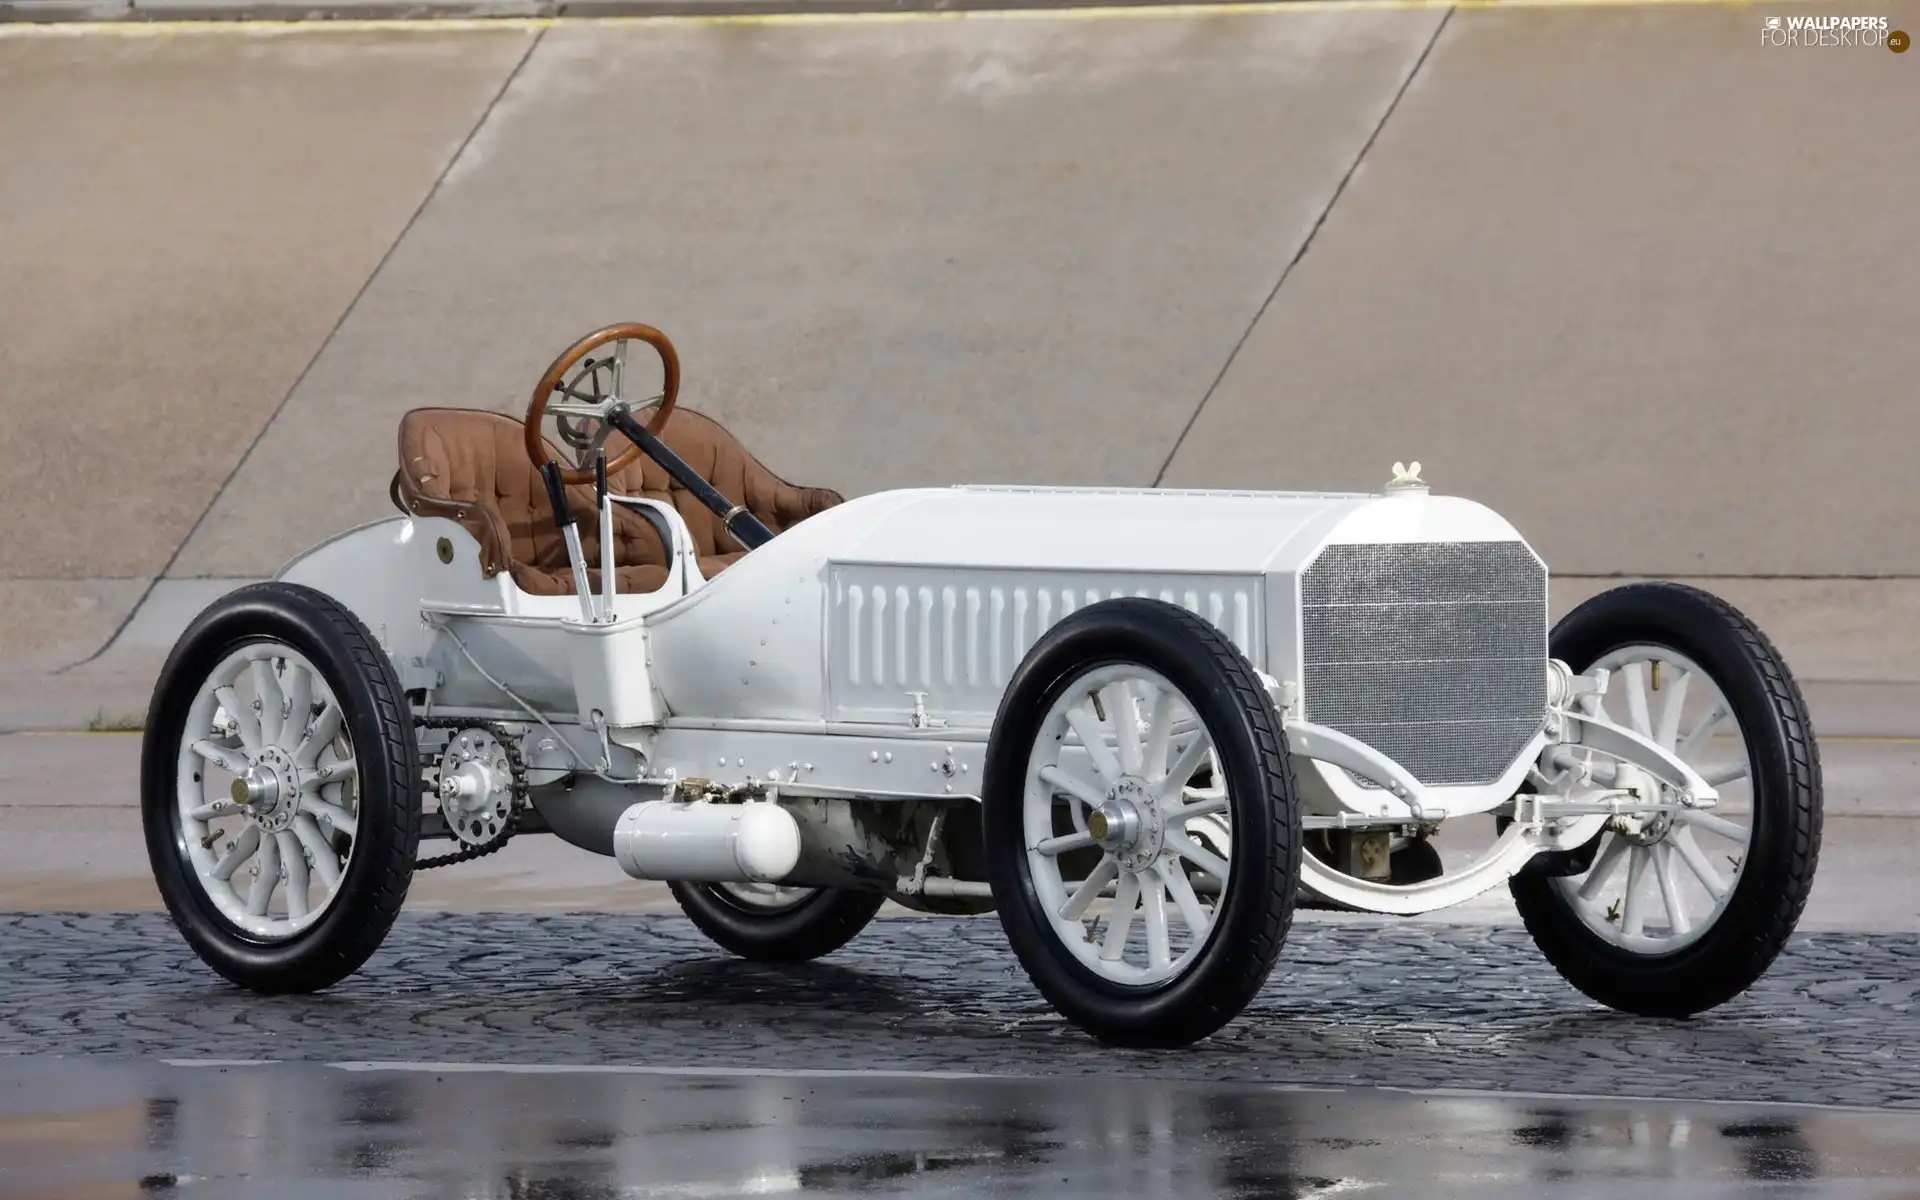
{"type": "Point", "coordinates": [516, 766]}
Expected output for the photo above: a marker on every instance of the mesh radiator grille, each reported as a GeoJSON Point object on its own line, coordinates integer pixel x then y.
{"type": "Point", "coordinates": [1433, 653]}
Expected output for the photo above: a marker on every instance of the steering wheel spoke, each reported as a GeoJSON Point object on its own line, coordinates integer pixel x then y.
{"type": "Point", "coordinates": [586, 413]}
{"type": "Point", "coordinates": [580, 391]}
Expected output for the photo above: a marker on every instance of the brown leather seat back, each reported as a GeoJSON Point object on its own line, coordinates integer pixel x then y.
{"type": "Point", "coordinates": [471, 466]}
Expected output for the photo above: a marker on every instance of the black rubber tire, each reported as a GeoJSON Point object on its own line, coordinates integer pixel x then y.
{"type": "Point", "coordinates": [379, 722]}
{"type": "Point", "coordinates": [1777, 875]}
{"type": "Point", "coordinates": [1251, 924]}
{"type": "Point", "coordinates": [814, 928]}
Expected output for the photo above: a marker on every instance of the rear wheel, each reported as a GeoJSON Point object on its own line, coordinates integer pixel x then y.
{"type": "Point", "coordinates": [1671, 916]}
{"type": "Point", "coordinates": [279, 785]}
{"type": "Point", "coordinates": [1147, 906]}
{"type": "Point", "coordinates": [765, 922]}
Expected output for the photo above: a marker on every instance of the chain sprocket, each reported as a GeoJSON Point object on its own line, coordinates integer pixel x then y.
{"type": "Point", "coordinates": [516, 766]}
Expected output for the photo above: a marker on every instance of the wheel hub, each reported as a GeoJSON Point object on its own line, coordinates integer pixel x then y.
{"type": "Point", "coordinates": [1128, 824]}
{"type": "Point", "coordinates": [269, 790]}
{"type": "Point", "coordinates": [1114, 824]}
{"type": "Point", "coordinates": [1644, 830]}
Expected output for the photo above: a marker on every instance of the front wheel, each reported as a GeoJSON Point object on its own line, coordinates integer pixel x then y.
{"type": "Point", "coordinates": [280, 789]}
{"type": "Point", "coordinates": [1147, 908]}
{"type": "Point", "coordinates": [1672, 916]}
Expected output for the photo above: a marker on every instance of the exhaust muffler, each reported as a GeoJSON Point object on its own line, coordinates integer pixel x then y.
{"type": "Point", "coordinates": [699, 842]}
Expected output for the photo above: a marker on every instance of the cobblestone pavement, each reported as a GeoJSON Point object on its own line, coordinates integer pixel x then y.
{"type": "Point", "coordinates": [1351, 1003]}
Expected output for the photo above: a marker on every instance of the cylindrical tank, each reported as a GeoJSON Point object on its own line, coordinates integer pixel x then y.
{"type": "Point", "coordinates": [706, 843]}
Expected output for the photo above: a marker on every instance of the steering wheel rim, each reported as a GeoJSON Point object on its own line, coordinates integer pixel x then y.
{"type": "Point", "coordinates": [555, 381]}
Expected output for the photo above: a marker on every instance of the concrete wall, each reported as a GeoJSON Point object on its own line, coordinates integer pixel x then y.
{"type": "Point", "coordinates": [1621, 272]}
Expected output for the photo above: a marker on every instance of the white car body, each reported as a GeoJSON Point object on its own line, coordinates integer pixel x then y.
{"type": "Point", "coordinates": [864, 653]}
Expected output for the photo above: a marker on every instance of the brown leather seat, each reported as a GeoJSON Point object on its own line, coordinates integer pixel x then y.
{"type": "Point", "coordinates": [472, 466]}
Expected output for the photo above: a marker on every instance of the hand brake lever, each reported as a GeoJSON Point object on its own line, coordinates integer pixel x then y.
{"type": "Point", "coordinates": [570, 533]}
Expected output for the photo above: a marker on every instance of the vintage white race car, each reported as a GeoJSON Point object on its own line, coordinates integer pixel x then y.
{"type": "Point", "coordinates": [1139, 724]}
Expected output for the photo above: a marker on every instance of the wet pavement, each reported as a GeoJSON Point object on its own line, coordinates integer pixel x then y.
{"type": "Point", "coordinates": [1352, 1002]}
{"type": "Point", "coordinates": [512, 1055]}
{"type": "Point", "coordinates": [310, 1131]}
{"type": "Point", "coordinates": [539, 1053]}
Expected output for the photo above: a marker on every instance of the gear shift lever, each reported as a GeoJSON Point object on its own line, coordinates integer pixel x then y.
{"type": "Point", "coordinates": [608, 572]}
{"type": "Point", "coordinates": [563, 517]}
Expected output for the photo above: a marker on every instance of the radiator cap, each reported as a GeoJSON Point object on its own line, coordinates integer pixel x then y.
{"type": "Point", "coordinates": [1406, 478]}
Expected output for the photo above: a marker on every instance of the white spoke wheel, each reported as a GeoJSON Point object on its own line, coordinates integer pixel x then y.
{"type": "Point", "coordinates": [1674, 915]}
{"type": "Point", "coordinates": [280, 789]}
{"type": "Point", "coordinates": [765, 922]}
{"type": "Point", "coordinates": [1148, 908]}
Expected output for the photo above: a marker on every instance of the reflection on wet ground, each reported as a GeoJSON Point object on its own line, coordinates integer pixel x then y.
{"type": "Point", "coordinates": [93, 1127]}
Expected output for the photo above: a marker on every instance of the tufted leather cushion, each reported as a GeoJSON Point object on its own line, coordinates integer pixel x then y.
{"type": "Point", "coordinates": [472, 466]}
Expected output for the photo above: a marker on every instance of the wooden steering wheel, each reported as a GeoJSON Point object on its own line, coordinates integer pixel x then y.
{"type": "Point", "coordinates": [580, 400]}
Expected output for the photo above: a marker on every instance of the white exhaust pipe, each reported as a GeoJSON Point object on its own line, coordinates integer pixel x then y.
{"type": "Point", "coordinates": [706, 843]}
